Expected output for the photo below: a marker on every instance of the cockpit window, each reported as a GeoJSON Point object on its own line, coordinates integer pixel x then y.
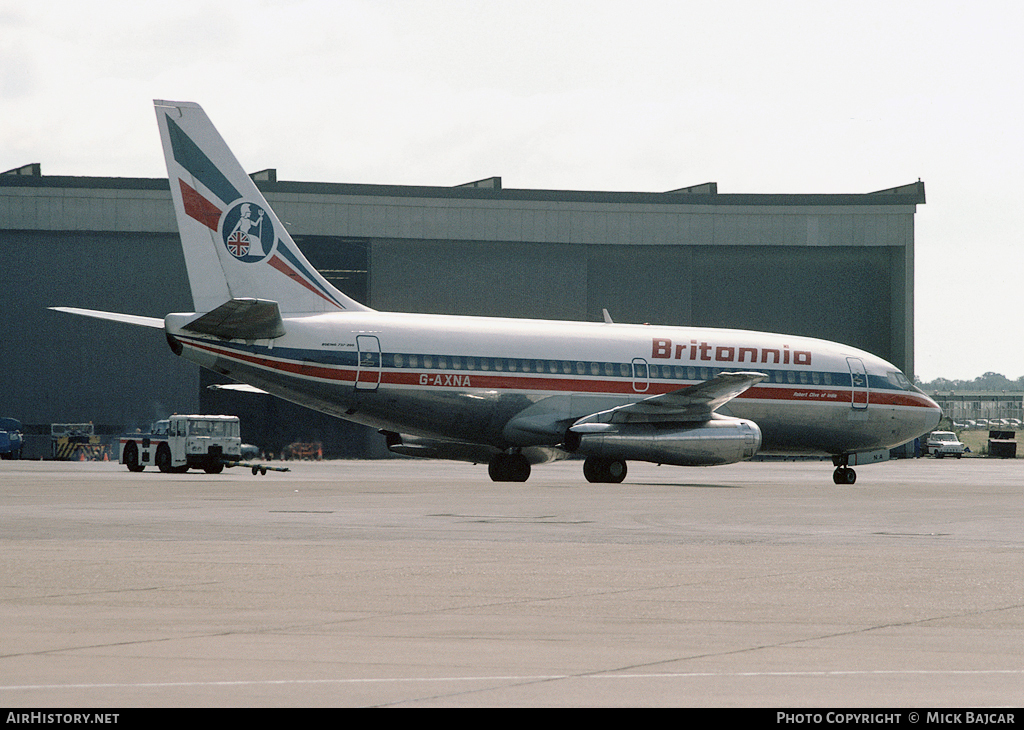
{"type": "Point", "coordinates": [900, 380]}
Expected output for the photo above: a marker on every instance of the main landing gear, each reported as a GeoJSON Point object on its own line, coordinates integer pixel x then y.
{"type": "Point", "coordinates": [599, 469]}
{"type": "Point", "coordinates": [516, 468]}
{"type": "Point", "coordinates": [508, 468]}
{"type": "Point", "coordinates": [843, 473]}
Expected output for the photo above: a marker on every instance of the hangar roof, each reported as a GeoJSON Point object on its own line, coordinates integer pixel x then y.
{"type": "Point", "coordinates": [706, 194]}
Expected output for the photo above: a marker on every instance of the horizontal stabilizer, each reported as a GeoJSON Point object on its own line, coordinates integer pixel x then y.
{"type": "Point", "coordinates": [135, 319]}
{"type": "Point", "coordinates": [695, 403]}
{"type": "Point", "coordinates": [241, 319]}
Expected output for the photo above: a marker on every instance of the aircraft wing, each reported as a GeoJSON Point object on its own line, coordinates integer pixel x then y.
{"type": "Point", "coordinates": [135, 319]}
{"type": "Point", "coordinates": [695, 403]}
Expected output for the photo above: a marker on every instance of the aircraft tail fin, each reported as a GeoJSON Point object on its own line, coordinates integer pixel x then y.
{"type": "Point", "coordinates": [235, 247]}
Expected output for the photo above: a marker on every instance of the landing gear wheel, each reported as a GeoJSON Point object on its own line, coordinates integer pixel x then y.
{"type": "Point", "coordinates": [508, 468]}
{"type": "Point", "coordinates": [844, 475]}
{"type": "Point", "coordinates": [599, 470]}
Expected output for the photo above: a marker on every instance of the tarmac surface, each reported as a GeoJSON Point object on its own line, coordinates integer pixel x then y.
{"type": "Point", "coordinates": [406, 583]}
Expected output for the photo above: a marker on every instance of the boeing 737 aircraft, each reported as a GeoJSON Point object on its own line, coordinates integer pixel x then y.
{"type": "Point", "coordinates": [508, 392]}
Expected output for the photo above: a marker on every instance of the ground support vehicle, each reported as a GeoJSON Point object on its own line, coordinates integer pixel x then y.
{"type": "Point", "coordinates": [304, 450]}
{"type": "Point", "coordinates": [944, 443]}
{"type": "Point", "coordinates": [76, 442]}
{"type": "Point", "coordinates": [181, 443]}
{"type": "Point", "coordinates": [184, 442]}
{"type": "Point", "coordinates": [10, 438]}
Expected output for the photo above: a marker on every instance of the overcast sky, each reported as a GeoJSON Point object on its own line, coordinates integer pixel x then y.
{"type": "Point", "coordinates": [761, 97]}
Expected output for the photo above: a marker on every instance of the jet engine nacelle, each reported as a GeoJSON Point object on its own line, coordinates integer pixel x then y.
{"type": "Point", "coordinates": [722, 440]}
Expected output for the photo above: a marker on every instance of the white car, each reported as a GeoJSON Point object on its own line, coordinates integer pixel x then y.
{"type": "Point", "coordinates": [944, 443]}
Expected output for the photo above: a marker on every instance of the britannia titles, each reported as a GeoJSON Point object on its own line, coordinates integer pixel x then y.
{"type": "Point", "coordinates": [662, 347]}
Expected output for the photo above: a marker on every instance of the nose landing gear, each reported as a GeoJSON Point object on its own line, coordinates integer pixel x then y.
{"type": "Point", "coordinates": [843, 473]}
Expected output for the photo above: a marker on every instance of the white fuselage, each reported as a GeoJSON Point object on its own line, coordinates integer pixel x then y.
{"type": "Point", "coordinates": [468, 378]}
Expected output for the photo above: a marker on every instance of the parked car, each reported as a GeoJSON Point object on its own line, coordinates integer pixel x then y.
{"type": "Point", "coordinates": [944, 443]}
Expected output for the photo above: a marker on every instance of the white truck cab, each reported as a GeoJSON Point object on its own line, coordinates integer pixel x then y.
{"type": "Point", "coordinates": [185, 442]}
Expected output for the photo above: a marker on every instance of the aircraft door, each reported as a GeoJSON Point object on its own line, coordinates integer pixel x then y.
{"type": "Point", "coordinates": [640, 375]}
{"type": "Point", "coordinates": [368, 372]}
{"type": "Point", "coordinates": [860, 393]}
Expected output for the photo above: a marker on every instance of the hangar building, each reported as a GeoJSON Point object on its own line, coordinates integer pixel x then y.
{"type": "Point", "coordinates": [835, 266]}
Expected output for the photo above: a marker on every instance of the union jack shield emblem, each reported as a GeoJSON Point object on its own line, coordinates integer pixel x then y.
{"type": "Point", "coordinates": [238, 244]}
{"type": "Point", "coordinates": [248, 233]}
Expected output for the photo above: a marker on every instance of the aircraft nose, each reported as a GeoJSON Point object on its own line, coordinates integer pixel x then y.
{"type": "Point", "coordinates": [934, 415]}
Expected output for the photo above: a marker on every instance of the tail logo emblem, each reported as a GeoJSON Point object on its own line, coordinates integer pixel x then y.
{"type": "Point", "coordinates": [248, 233]}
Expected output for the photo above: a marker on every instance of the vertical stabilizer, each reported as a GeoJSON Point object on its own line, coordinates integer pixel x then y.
{"type": "Point", "coordinates": [235, 246]}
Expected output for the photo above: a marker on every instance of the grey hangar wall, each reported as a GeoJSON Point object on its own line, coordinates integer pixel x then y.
{"type": "Point", "coordinates": [835, 266]}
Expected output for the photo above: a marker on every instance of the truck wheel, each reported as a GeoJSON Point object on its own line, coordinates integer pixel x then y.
{"type": "Point", "coordinates": [131, 457]}
{"type": "Point", "coordinates": [163, 459]}
{"type": "Point", "coordinates": [214, 468]}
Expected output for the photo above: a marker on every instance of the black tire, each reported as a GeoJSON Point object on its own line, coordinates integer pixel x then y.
{"type": "Point", "coordinates": [844, 475]}
{"type": "Point", "coordinates": [509, 468]}
{"type": "Point", "coordinates": [601, 470]}
{"type": "Point", "coordinates": [163, 459]}
{"type": "Point", "coordinates": [131, 457]}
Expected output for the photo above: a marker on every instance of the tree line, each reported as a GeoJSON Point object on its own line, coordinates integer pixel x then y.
{"type": "Point", "coordinates": [988, 381]}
